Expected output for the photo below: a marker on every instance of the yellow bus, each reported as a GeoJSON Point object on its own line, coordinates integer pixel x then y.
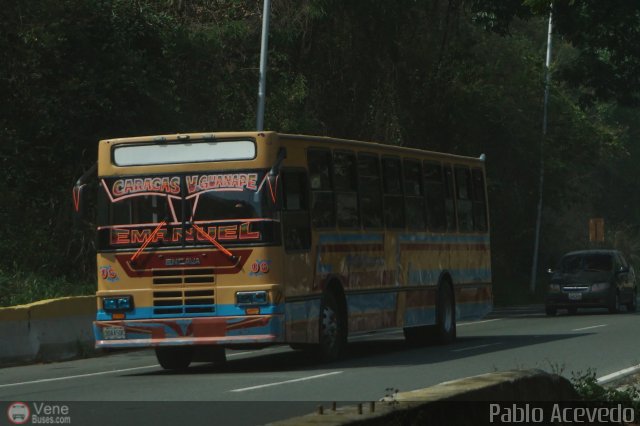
{"type": "Point", "coordinates": [224, 240]}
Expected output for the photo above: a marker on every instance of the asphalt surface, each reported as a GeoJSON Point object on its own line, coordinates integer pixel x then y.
{"type": "Point", "coordinates": [255, 387]}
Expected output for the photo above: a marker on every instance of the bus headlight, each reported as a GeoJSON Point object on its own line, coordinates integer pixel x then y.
{"type": "Point", "coordinates": [117, 303]}
{"type": "Point", "coordinates": [245, 298]}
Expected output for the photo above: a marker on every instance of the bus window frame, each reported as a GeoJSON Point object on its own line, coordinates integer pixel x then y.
{"type": "Point", "coordinates": [331, 186]}
{"type": "Point", "coordinates": [428, 163]}
{"type": "Point", "coordinates": [476, 201]}
{"type": "Point", "coordinates": [403, 226]}
{"type": "Point", "coordinates": [421, 195]}
{"type": "Point", "coordinates": [358, 223]}
{"type": "Point", "coordinates": [461, 168]}
{"type": "Point", "coordinates": [449, 182]}
{"type": "Point", "coordinates": [284, 212]}
{"type": "Point", "coordinates": [376, 158]}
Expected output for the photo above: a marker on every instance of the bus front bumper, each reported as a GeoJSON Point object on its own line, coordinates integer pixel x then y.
{"type": "Point", "coordinates": [255, 329]}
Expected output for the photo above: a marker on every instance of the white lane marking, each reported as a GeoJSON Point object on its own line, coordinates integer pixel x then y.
{"type": "Point", "coordinates": [475, 347]}
{"type": "Point", "coordinates": [301, 379]}
{"type": "Point", "coordinates": [589, 328]}
{"type": "Point", "coordinates": [99, 373]}
{"type": "Point", "coordinates": [78, 376]}
{"type": "Point", "coordinates": [617, 374]}
{"type": "Point", "coordinates": [479, 322]}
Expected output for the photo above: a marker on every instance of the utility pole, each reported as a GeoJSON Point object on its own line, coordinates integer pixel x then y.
{"type": "Point", "coordinates": [547, 82]}
{"type": "Point", "coordinates": [263, 65]}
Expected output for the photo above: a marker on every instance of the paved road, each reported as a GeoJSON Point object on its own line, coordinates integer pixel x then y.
{"type": "Point", "coordinates": [259, 386]}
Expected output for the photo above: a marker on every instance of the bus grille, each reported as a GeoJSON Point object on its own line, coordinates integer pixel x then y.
{"type": "Point", "coordinates": [184, 302]}
{"type": "Point", "coordinates": [183, 276]}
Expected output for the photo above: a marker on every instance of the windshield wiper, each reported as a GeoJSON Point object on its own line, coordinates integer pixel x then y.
{"type": "Point", "coordinates": [213, 241]}
{"type": "Point", "coordinates": [147, 240]}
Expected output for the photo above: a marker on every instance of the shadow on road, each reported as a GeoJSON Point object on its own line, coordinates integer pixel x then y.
{"type": "Point", "coordinates": [391, 349]}
{"type": "Point", "coordinates": [371, 353]}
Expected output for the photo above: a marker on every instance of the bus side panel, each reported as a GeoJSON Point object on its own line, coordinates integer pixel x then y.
{"type": "Point", "coordinates": [302, 320]}
{"type": "Point", "coordinates": [426, 257]}
{"type": "Point", "coordinates": [471, 274]}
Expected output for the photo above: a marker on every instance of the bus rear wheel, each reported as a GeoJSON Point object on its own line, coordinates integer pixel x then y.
{"type": "Point", "coordinates": [445, 315]}
{"type": "Point", "coordinates": [174, 357]}
{"type": "Point", "coordinates": [332, 328]}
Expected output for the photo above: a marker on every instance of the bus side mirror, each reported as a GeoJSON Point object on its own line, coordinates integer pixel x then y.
{"type": "Point", "coordinates": [78, 194]}
{"type": "Point", "coordinates": [78, 202]}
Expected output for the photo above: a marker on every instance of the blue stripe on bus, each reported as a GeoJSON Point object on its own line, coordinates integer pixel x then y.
{"type": "Point", "coordinates": [218, 311]}
{"type": "Point", "coordinates": [443, 238]}
{"type": "Point", "coordinates": [350, 238]}
{"type": "Point", "coordinates": [371, 302]}
{"type": "Point", "coordinates": [303, 310]}
{"type": "Point", "coordinates": [419, 316]}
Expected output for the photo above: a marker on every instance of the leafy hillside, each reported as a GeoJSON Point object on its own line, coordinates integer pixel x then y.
{"type": "Point", "coordinates": [458, 76]}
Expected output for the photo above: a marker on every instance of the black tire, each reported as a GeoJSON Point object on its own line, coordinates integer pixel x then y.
{"type": "Point", "coordinates": [306, 347]}
{"type": "Point", "coordinates": [214, 354]}
{"type": "Point", "coordinates": [174, 357]}
{"type": "Point", "coordinates": [550, 311]}
{"type": "Point", "coordinates": [614, 303]}
{"type": "Point", "coordinates": [445, 315]}
{"type": "Point", "coordinates": [632, 306]}
{"type": "Point", "coordinates": [572, 310]}
{"type": "Point", "coordinates": [416, 336]}
{"type": "Point", "coordinates": [332, 328]}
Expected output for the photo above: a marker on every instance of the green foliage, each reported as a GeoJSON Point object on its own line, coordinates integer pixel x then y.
{"type": "Point", "coordinates": [588, 388]}
{"type": "Point", "coordinates": [19, 288]}
{"type": "Point", "coordinates": [460, 77]}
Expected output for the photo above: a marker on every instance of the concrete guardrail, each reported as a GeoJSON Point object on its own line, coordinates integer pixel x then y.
{"type": "Point", "coordinates": [47, 330]}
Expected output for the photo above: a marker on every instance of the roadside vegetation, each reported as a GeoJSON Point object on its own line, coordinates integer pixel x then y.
{"type": "Point", "coordinates": [588, 388]}
{"type": "Point", "coordinates": [459, 76]}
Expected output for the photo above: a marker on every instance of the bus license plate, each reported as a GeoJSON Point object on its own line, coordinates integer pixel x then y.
{"type": "Point", "coordinates": [575, 296]}
{"type": "Point", "coordinates": [113, 333]}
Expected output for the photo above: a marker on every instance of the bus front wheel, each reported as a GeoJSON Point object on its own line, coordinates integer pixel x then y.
{"type": "Point", "coordinates": [332, 328]}
{"type": "Point", "coordinates": [174, 357]}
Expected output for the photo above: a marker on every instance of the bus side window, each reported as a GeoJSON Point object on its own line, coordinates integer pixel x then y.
{"type": "Point", "coordinates": [346, 190]}
{"type": "Point", "coordinates": [436, 217]}
{"type": "Point", "coordinates": [369, 190]}
{"type": "Point", "coordinates": [322, 203]}
{"type": "Point", "coordinates": [463, 199]}
{"type": "Point", "coordinates": [295, 210]}
{"type": "Point", "coordinates": [393, 196]}
{"type": "Point", "coordinates": [414, 195]}
{"type": "Point", "coordinates": [449, 200]}
{"type": "Point", "coordinates": [479, 201]}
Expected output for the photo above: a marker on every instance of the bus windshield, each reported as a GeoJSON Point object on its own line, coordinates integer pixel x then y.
{"type": "Point", "coordinates": [130, 206]}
